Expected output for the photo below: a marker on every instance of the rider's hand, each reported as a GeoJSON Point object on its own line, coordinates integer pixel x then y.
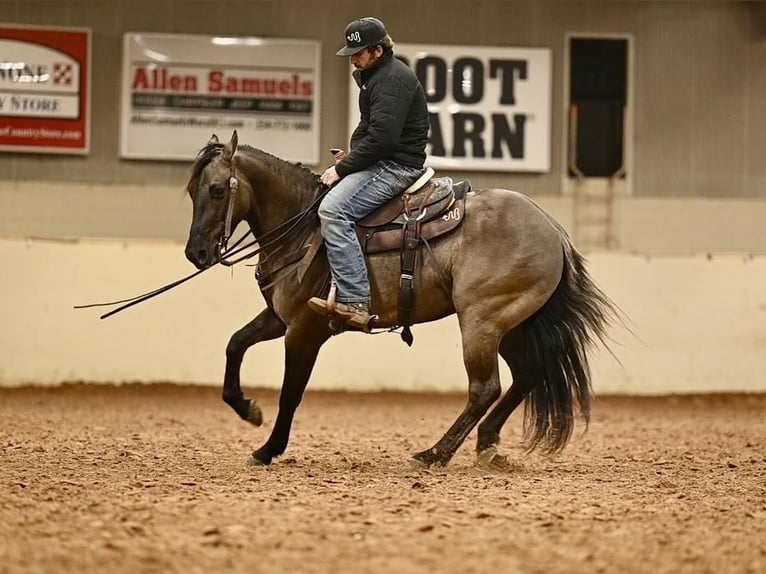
{"type": "Point", "coordinates": [329, 176]}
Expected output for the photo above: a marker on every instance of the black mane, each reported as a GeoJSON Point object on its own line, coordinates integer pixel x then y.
{"type": "Point", "coordinates": [213, 150]}
{"type": "Point", "coordinates": [204, 157]}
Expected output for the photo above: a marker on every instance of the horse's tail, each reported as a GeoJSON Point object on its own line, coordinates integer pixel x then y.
{"type": "Point", "coordinates": [558, 337]}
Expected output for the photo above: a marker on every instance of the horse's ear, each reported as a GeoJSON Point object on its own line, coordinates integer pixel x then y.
{"type": "Point", "coordinates": [230, 148]}
{"type": "Point", "coordinates": [213, 140]}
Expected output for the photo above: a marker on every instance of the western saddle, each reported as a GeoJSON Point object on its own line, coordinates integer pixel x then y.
{"type": "Point", "coordinates": [429, 208]}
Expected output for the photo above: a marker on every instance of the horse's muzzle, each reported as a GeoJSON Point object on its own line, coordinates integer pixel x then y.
{"type": "Point", "coordinates": [200, 254]}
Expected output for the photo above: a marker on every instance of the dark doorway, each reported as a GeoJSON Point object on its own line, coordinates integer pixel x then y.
{"type": "Point", "coordinates": [598, 77]}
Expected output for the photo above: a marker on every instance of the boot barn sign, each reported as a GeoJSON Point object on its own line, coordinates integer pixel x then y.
{"type": "Point", "coordinates": [177, 90]}
{"type": "Point", "coordinates": [490, 108]}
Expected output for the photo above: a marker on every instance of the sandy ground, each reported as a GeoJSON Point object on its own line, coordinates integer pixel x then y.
{"type": "Point", "coordinates": [150, 479]}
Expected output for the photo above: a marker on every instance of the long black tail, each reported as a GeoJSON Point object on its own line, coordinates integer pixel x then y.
{"type": "Point", "coordinates": [555, 357]}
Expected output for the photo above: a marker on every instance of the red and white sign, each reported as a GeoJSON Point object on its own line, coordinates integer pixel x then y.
{"type": "Point", "coordinates": [177, 90]}
{"type": "Point", "coordinates": [44, 89]}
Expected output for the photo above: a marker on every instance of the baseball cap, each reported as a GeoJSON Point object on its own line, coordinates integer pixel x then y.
{"type": "Point", "coordinates": [361, 34]}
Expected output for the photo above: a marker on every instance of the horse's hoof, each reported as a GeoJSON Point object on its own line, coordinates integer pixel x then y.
{"type": "Point", "coordinates": [416, 464]}
{"type": "Point", "coordinates": [251, 461]}
{"type": "Point", "coordinates": [491, 459]}
{"type": "Point", "coordinates": [254, 414]}
{"type": "Point", "coordinates": [429, 458]}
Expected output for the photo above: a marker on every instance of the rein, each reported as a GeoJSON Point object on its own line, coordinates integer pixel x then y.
{"type": "Point", "coordinates": [272, 239]}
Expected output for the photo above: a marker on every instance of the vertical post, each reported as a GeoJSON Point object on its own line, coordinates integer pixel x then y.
{"type": "Point", "coordinates": [579, 176]}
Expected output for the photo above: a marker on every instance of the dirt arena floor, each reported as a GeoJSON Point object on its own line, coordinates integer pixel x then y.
{"type": "Point", "coordinates": [151, 479]}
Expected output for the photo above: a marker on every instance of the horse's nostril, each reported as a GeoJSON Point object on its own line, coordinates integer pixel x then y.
{"type": "Point", "coordinates": [197, 253]}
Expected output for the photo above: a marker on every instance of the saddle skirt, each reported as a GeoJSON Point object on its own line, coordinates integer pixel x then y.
{"type": "Point", "coordinates": [439, 206]}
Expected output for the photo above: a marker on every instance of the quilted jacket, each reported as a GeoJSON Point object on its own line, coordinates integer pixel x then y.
{"type": "Point", "coordinates": [394, 118]}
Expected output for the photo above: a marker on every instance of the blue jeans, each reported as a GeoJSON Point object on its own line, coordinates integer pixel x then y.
{"type": "Point", "coordinates": [353, 197]}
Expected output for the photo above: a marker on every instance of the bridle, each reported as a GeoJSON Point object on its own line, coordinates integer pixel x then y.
{"type": "Point", "coordinates": [223, 240]}
{"type": "Point", "coordinates": [222, 246]}
{"type": "Point", "coordinates": [275, 238]}
{"type": "Point", "coordinates": [270, 239]}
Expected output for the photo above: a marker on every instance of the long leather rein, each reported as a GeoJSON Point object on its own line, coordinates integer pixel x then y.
{"type": "Point", "coordinates": [274, 240]}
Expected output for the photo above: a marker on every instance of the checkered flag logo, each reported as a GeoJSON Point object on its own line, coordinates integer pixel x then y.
{"type": "Point", "coordinates": [62, 74]}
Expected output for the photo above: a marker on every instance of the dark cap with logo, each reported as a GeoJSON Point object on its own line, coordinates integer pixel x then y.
{"type": "Point", "coordinates": [361, 34]}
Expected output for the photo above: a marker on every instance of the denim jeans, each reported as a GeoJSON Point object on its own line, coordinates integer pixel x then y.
{"type": "Point", "coordinates": [353, 197]}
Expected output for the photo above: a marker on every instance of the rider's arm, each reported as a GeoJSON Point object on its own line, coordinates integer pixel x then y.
{"type": "Point", "coordinates": [389, 107]}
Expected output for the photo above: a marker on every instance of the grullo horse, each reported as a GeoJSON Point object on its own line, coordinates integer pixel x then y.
{"type": "Point", "coordinates": [511, 274]}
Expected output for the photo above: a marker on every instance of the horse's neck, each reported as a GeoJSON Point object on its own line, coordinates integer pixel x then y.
{"type": "Point", "coordinates": [279, 191]}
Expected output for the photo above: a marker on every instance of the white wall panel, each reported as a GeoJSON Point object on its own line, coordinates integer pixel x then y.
{"type": "Point", "coordinates": [698, 324]}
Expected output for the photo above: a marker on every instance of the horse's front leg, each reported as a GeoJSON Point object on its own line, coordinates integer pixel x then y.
{"type": "Point", "coordinates": [301, 349]}
{"type": "Point", "coordinates": [265, 327]}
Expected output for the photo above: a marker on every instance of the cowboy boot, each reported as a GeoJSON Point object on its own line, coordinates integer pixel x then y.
{"type": "Point", "coordinates": [356, 314]}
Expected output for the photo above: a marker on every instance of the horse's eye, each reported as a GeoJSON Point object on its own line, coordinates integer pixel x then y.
{"type": "Point", "coordinates": [217, 191]}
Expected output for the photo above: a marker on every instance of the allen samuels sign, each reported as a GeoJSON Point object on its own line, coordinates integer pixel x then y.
{"type": "Point", "coordinates": [178, 90]}
{"type": "Point", "coordinates": [490, 107]}
{"type": "Point", "coordinates": [44, 89]}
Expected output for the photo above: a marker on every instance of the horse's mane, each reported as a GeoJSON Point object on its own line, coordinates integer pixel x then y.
{"type": "Point", "coordinates": [204, 157]}
{"type": "Point", "coordinates": [213, 150]}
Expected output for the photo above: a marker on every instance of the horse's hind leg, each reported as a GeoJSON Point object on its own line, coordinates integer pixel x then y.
{"type": "Point", "coordinates": [264, 327]}
{"type": "Point", "coordinates": [480, 358]}
{"type": "Point", "coordinates": [511, 349]}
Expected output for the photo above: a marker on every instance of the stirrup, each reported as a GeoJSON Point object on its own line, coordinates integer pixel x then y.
{"type": "Point", "coordinates": [324, 306]}
{"type": "Point", "coordinates": [321, 306]}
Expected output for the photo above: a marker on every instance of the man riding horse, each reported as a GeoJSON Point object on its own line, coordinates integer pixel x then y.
{"type": "Point", "coordinates": [386, 156]}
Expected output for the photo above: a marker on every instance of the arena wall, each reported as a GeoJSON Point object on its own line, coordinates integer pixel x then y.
{"type": "Point", "coordinates": [698, 93]}
{"type": "Point", "coordinates": [679, 244]}
{"type": "Point", "coordinates": [694, 323]}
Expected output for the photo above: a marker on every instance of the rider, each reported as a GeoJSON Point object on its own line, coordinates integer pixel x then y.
{"type": "Point", "coordinates": [386, 155]}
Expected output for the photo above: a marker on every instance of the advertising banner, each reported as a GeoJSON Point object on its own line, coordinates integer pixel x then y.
{"type": "Point", "coordinates": [490, 107]}
{"type": "Point", "coordinates": [44, 89]}
{"type": "Point", "coordinates": [178, 90]}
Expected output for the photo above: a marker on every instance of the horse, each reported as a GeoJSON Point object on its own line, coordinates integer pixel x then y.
{"type": "Point", "coordinates": [520, 289]}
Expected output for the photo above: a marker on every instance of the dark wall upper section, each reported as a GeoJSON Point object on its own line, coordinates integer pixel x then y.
{"type": "Point", "coordinates": [698, 83]}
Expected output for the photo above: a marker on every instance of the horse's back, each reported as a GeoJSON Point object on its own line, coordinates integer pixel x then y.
{"type": "Point", "coordinates": [512, 212]}
{"type": "Point", "coordinates": [504, 225]}
{"type": "Point", "coordinates": [509, 249]}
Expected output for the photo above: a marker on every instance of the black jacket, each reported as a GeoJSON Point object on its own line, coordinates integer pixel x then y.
{"type": "Point", "coordinates": [394, 118]}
